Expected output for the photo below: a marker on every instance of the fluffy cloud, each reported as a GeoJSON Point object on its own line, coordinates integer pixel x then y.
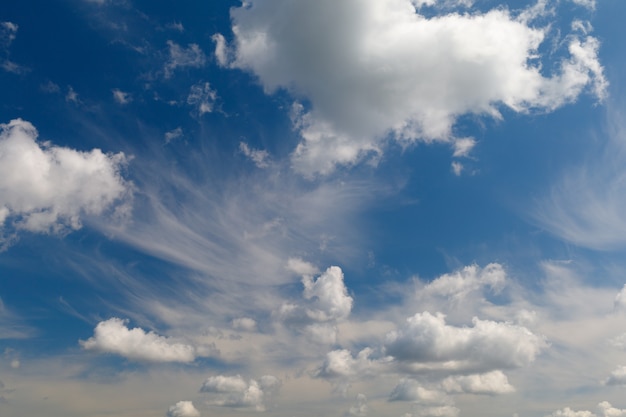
{"type": "Point", "coordinates": [470, 278]}
{"type": "Point", "coordinates": [244, 323]}
{"type": "Point", "coordinates": [234, 391]}
{"type": "Point", "coordinates": [8, 31]}
{"type": "Point", "coordinates": [259, 157]}
{"type": "Point", "coordinates": [202, 97]}
{"type": "Point", "coordinates": [381, 68]}
{"type": "Point", "coordinates": [411, 390]}
{"type": "Point", "coordinates": [46, 188]}
{"type": "Point", "coordinates": [121, 97]}
{"type": "Point", "coordinates": [183, 409]}
{"type": "Point", "coordinates": [341, 364]}
{"type": "Point", "coordinates": [326, 302]}
{"type": "Point", "coordinates": [620, 300]}
{"type": "Point", "coordinates": [426, 342]}
{"type": "Point", "coordinates": [490, 383]}
{"type": "Point", "coordinates": [605, 408]}
{"type": "Point", "coordinates": [359, 409]}
{"type": "Point", "coordinates": [180, 57]}
{"type": "Point", "coordinates": [329, 294]}
{"type": "Point", "coordinates": [617, 377]}
{"type": "Point", "coordinates": [112, 336]}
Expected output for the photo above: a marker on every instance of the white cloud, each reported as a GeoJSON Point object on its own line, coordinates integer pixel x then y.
{"type": "Point", "coordinates": [341, 364]}
{"type": "Point", "coordinates": [183, 409]}
{"type": "Point", "coordinates": [112, 336]}
{"type": "Point", "coordinates": [411, 390]}
{"type": "Point", "coordinates": [244, 323]}
{"type": "Point", "coordinates": [426, 342]}
{"type": "Point", "coordinates": [173, 134]}
{"type": "Point", "coordinates": [259, 157]}
{"type": "Point", "coordinates": [180, 57]}
{"type": "Point", "coordinates": [590, 4]}
{"type": "Point", "coordinates": [8, 32]}
{"type": "Point", "coordinates": [121, 97]}
{"type": "Point", "coordinates": [326, 302]}
{"type": "Point", "coordinates": [71, 96]}
{"type": "Point", "coordinates": [359, 409]}
{"type": "Point", "coordinates": [301, 267]}
{"type": "Point", "coordinates": [234, 391]}
{"type": "Point", "coordinates": [608, 410]}
{"type": "Point", "coordinates": [605, 408]}
{"type": "Point", "coordinates": [329, 295]}
{"type": "Point", "coordinates": [457, 167]}
{"type": "Point", "coordinates": [50, 88]}
{"type": "Point", "coordinates": [617, 377]}
{"type": "Point", "coordinates": [468, 279]}
{"type": "Point", "coordinates": [490, 383]}
{"type": "Point", "coordinates": [441, 411]}
{"type": "Point", "coordinates": [620, 300]}
{"type": "Point", "coordinates": [49, 189]}
{"type": "Point", "coordinates": [202, 97]}
{"type": "Point", "coordinates": [376, 70]}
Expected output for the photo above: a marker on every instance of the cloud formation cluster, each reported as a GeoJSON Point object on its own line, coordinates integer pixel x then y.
{"type": "Point", "coordinates": [381, 69]}
{"type": "Point", "coordinates": [234, 391]}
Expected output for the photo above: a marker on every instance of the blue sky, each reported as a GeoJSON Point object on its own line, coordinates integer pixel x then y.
{"type": "Point", "coordinates": [405, 208]}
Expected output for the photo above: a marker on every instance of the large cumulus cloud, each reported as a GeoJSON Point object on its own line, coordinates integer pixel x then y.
{"type": "Point", "coordinates": [380, 69]}
{"type": "Point", "coordinates": [49, 189]}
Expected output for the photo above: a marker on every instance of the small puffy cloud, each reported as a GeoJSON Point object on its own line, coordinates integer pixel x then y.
{"type": "Point", "coordinates": [326, 302]}
{"type": "Point", "coordinates": [329, 295]}
{"type": "Point", "coordinates": [202, 97]}
{"type": "Point", "coordinates": [177, 26]}
{"type": "Point", "coordinates": [426, 342]}
{"type": "Point", "coordinates": [259, 157]}
{"type": "Point", "coordinates": [617, 377]}
{"type": "Point", "coordinates": [568, 412]}
{"type": "Point", "coordinates": [620, 300]}
{"type": "Point", "coordinates": [173, 134]}
{"type": "Point", "coordinates": [470, 278]}
{"type": "Point", "coordinates": [490, 383]}
{"type": "Point", "coordinates": [441, 411]}
{"type": "Point", "coordinates": [375, 71]}
{"type": "Point", "coordinates": [463, 146]}
{"type": "Point", "coordinates": [301, 267]}
{"type": "Point", "coordinates": [590, 4]}
{"type": "Point", "coordinates": [49, 189]}
{"type": "Point", "coordinates": [411, 390]}
{"type": "Point", "coordinates": [121, 97]}
{"type": "Point", "coordinates": [341, 364]}
{"type": "Point", "coordinates": [244, 323]}
{"type": "Point", "coordinates": [234, 391]}
{"type": "Point", "coordinates": [112, 336]}
{"type": "Point", "coordinates": [8, 32]}
{"type": "Point", "coordinates": [72, 95]}
{"type": "Point", "coordinates": [607, 410]}
{"type": "Point", "coordinates": [183, 409]}
{"type": "Point", "coordinates": [457, 167]}
{"type": "Point", "coordinates": [359, 409]}
{"type": "Point", "coordinates": [50, 88]}
{"type": "Point", "coordinates": [179, 57]}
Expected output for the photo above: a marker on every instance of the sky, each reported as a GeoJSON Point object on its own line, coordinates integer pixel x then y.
{"type": "Point", "coordinates": [291, 208]}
